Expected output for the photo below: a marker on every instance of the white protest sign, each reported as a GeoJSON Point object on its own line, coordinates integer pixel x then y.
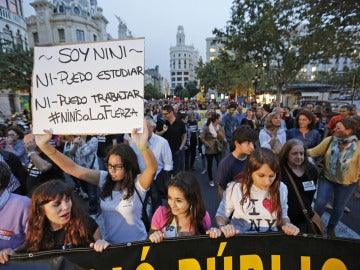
{"type": "Point", "coordinates": [89, 88]}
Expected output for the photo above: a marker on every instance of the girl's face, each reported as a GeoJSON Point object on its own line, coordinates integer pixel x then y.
{"type": "Point", "coordinates": [58, 212]}
{"type": "Point", "coordinates": [249, 114]}
{"type": "Point", "coordinates": [263, 177]}
{"type": "Point", "coordinates": [303, 121]}
{"type": "Point", "coordinates": [177, 201]}
{"type": "Point", "coordinates": [116, 168]}
{"type": "Point", "coordinates": [296, 155]}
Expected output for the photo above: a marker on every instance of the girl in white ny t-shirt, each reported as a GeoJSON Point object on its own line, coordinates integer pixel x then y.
{"type": "Point", "coordinates": [258, 201]}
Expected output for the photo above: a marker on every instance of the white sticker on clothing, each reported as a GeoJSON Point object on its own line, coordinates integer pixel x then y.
{"type": "Point", "coordinates": [309, 185]}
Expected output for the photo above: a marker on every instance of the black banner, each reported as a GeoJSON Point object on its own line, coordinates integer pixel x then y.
{"type": "Point", "coordinates": [245, 252]}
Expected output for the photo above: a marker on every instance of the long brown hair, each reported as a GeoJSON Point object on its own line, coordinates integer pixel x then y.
{"type": "Point", "coordinates": [39, 236]}
{"type": "Point", "coordinates": [256, 160]}
{"type": "Point", "coordinates": [189, 185]}
{"type": "Point", "coordinates": [131, 167]}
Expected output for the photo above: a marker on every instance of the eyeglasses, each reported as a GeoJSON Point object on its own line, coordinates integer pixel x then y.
{"type": "Point", "coordinates": [12, 134]}
{"type": "Point", "coordinates": [116, 167]}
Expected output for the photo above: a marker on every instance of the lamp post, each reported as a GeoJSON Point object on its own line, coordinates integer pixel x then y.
{"type": "Point", "coordinates": [255, 81]}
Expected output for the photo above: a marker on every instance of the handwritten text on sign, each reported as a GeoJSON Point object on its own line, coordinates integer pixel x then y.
{"type": "Point", "coordinates": [89, 88]}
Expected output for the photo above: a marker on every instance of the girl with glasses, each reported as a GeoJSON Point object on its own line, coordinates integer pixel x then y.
{"type": "Point", "coordinates": [120, 204]}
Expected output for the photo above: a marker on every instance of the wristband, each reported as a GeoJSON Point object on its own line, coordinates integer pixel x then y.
{"type": "Point", "coordinates": [143, 148]}
{"type": "Point", "coordinates": [30, 153]}
{"type": "Point", "coordinates": [220, 225]}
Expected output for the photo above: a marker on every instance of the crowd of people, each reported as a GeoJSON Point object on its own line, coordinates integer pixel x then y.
{"type": "Point", "coordinates": [259, 152]}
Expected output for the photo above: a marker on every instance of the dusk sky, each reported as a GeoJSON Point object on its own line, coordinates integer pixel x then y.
{"type": "Point", "coordinates": [157, 21]}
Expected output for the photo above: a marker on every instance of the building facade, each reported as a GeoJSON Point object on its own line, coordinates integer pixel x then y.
{"type": "Point", "coordinates": [183, 61]}
{"type": "Point", "coordinates": [66, 21]}
{"type": "Point", "coordinates": [12, 32]}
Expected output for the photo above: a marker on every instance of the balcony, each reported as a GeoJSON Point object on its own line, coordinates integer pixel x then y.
{"type": "Point", "coordinates": [7, 15]}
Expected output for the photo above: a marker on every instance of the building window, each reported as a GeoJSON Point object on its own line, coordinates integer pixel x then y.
{"type": "Point", "coordinates": [94, 38]}
{"type": "Point", "coordinates": [8, 36]}
{"type": "Point", "coordinates": [76, 10]}
{"type": "Point", "coordinates": [179, 63]}
{"type": "Point", "coordinates": [19, 39]}
{"type": "Point", "coordinates": [186, 79]}
{"type": "Point", "coordinates": [179, 79]}
{"type": "Point", "coordinates": [3, 3]}
{"type": "Point", "coordinates": [173, 79]}
{"type": "Point", "coordinates": [186, 73]}
{"type": "Point", "coordinates": [13, 6]}
{"type": "Point", "coordinates": [184, 63]}
{"type": "Point", "coordinates": [172, 73]}
{"type": "Point", "coordinates": [80, 35]}
{"type": "Point", "coordinates": [36, 38]}
{"type": "Point", "coordinates": [61, 9]}
{"type": "Point", "coordinates": [61, 33]}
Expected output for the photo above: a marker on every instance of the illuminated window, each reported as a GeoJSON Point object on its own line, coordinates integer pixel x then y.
{"type": "Point", "coordinates": [212, 50]}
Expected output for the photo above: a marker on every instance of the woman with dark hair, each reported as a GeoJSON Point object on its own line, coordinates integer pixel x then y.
{"type": "Point", "coordinates": [257, 202]}
{"type": "Point", "coordinates": [121, 186]}
{"type": "Point", "coordinates": [57, 221]}
{"type": "Point", "coordinates": [212, 137]}
{"type": "Point", "coordinates": [295, 164]}
{"type": "Point", "coordinates": [15, 143]}
{"type": "Point", "coordinates": [305, 129]}
{"type": "Point", "coordinates": [341, 172]}
{"type": "Point", "coordinates": [185, 213]}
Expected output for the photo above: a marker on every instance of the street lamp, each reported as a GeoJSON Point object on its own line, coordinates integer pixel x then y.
{"type": "Point", "coordinates": [255, 81]}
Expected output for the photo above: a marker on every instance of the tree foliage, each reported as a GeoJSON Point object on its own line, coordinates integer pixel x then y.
{"type": "Point", "coordinates": [16, 67]}
{"type": "Point", "coordinates": [191, 87]}
{"type": "Point", "coordinates": [150, 92]}
{"type": "Point", "coordinates": [279, 37]}
{"type": "Point", "coordinates": [226, 74]}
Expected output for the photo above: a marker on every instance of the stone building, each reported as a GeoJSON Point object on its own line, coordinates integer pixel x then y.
{"type": "Point", "coordinates": [183, 61]}
{"type": "Point", "coordinates": [65, 21]}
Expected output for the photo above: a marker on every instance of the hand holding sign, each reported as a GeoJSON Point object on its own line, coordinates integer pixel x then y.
{"type": "Point", "coordinates": [140, 139]}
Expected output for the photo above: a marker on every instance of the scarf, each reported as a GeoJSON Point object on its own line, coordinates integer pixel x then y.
{"type": "Point", "coordinates": [212, 130]}
{"type": "Point", "coordinates": [4, 198]}
{"type": "Point", "coordinates": [340, 160]}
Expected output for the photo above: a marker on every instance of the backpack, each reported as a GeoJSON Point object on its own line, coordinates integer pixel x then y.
{"type": "Point", "coordinates": [144, 214]}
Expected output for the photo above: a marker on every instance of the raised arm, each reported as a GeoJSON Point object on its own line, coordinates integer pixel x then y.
{"type": "Point", "coordinates": [141, 142]}
{"type": "Point", "coordinates": [65, 163]}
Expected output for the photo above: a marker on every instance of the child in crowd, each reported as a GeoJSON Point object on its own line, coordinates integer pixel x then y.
{"type": "Point", "coordinates": [185, 213]}
{"type": "Point", "coordinates": [258, 201]}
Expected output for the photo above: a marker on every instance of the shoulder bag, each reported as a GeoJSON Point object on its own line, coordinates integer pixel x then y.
{"type": "Point", "coordinates": [320, 163]}
{"type": "Point", "coordinates": [315, 224]}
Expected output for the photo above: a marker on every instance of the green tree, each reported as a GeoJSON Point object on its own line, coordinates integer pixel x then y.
{"type": "Point", "coordinates": [273, 36]}
{"type": "Point", "coordinates": [336, 23]}
{"type": "Point", "coordinates": [178, 91]}
{"type": "Point", "coordinates": [150, 92]}
{"type": "Point", "coordinates": [16, 67]}
{"type": "Point", "coordinates": [226, 74]}
{"type": "Point", "coordinates": [191, 87]}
